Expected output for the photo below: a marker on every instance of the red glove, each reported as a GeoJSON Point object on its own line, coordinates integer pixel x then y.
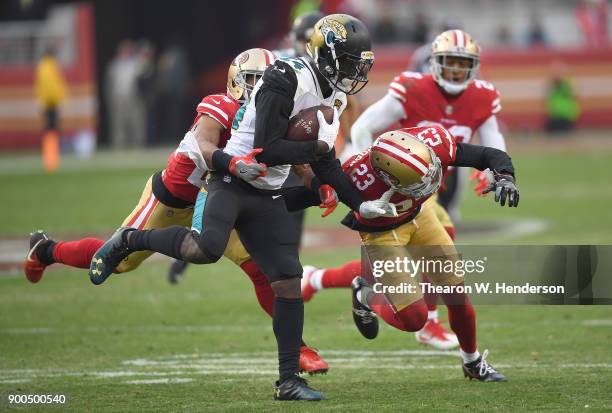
{"type": "Point", "coordinates": [246, 167]}
{"type": "Point", "coordinates": [329, 199]}
{"type": "Point", "coordinates": [484, 179]}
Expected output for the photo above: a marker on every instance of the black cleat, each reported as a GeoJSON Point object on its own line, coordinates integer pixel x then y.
{"type": "Point", "coordinates": [296, 388]}
{"type": "Point", "coordinates": [176, 271]}
{"type": "Point", "coordinates": [482, 371]}
{"type": "Point", "coordinates": [108, 257]}
{"type": "Point", "coordinates": [365, 319]}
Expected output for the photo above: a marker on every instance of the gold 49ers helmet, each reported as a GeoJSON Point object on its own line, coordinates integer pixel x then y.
{"type": "Point", "coordinates": [245, 71]}
{"type": "Point", "coordinates": [406, 164]}
{"type": "Point", "coordinates": [454, 44]}
{"type": "Point", "coordinates": [341, 49]}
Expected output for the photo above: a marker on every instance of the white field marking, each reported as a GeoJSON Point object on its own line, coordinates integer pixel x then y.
{"type": "Point", "coordinates": [596, 322]}
{"type": "Point", "coordinates": [14, 381]}
{"type": "Point", "coordinates": [160, 381]}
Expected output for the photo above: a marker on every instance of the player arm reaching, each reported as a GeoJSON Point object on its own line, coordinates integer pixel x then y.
{"type": "Point", "coordinates": [483, 157]}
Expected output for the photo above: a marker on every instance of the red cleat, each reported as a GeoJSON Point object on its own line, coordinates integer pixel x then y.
{"type": "Point", "coordinates": [434, 334]}
{"type": "Point", "coordinates": [308, 291]}
{"type": "Point", "coordinates": [311, 362]}
{"type": "Point", "coordinates": [32, 267]}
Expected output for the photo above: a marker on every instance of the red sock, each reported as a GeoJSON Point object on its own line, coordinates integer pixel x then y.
{"type": "Point", "coordinates": [411, 318]}
{"type": "Point", "coordinates": [462, 319]}
{"type": "Point", "coordinates": [263, 291]}
{"type": "Point", "coordinates": [341, 277]}
{"type": "Point", "coordinates": [430, 298]}
{"type": "Point", "coordinates": [76, 253]}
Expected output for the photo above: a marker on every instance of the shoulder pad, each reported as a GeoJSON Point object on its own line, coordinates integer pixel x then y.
{"type": "Point", "coordinates": [281, 78]}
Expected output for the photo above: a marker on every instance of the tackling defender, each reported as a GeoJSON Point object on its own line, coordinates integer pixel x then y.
{"type": "Point", "coordinates": [408, 165]}
{"type": "Point", "coordinates": [169, 195]}
{"type": "Point", "coordinates": [450, 96]}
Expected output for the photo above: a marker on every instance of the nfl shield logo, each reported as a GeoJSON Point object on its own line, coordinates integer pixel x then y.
{"type": "Point", "coordinates": [449, 110]}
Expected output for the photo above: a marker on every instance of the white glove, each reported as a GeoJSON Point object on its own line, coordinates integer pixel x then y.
{"type": "Point", "coordinates": [379, 208]}
{"type": "Point", "coordinates": [328, 132]}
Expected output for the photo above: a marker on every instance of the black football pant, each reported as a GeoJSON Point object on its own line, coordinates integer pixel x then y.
{"type": "Point", "coordinates": [271, 237]}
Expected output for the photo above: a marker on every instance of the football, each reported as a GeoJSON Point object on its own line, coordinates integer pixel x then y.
{"type": "Point", "coordinates": [305, 126]}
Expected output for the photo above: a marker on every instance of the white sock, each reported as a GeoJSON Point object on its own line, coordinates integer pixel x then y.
{"type": "Point", "coordinates": [469, 357]}
{"type": "Point", "coordinates": [432, 315]}
{"type": "Point", "coordinates": [316, 279]}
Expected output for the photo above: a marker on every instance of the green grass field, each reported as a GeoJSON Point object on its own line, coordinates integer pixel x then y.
{"type": "Point", "coordinates": [138, 344]}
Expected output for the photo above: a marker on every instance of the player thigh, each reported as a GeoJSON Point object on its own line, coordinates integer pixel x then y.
{"type": "Point", "coordinates": [234, 251]}
{"type": "Point", "coordinates": [271, 239]}
{"type": "Point", "coordinates": [441, 213]}
{"type": "Point", "coordinates": [150, 213]}
{"type": "Point", "coordinates": [432, 244]}
{"type": "Point", "coordinates": [387, 246]}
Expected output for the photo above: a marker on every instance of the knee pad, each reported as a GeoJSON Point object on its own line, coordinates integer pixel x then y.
{"type": "Point", "coordinates": [212, 245]}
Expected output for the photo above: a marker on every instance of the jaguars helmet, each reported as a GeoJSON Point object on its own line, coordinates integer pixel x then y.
{"type": "Point", "coordinates": [406, 164]}
{"type": "Point", "coordinates": [302, 29]}
{"type": "Point", "coordinates": [341, 49]}
{"type": "Point", "coordinates": [246, 69]}
{"type": "Point", "coordinates": [454, 43]}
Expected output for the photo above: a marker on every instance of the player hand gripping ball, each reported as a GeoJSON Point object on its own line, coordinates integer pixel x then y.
{"type": "Point", "coordinates": [329, 199]}
{"type": "Point", "coordinates": [504, 187]}
{"type": "Point", "coordinates": [246, 167]}
{"type": "Point", "coordinates": [328, 132]}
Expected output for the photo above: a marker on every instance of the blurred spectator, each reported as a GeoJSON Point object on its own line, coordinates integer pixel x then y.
{"type": "Point", "coordinates": [561, 103]}
{"type": "Point", "coordinates": [50, 88]}
{"type": "Point", "coordinates": [536, 35]}
{"type": "Point", "coordinates": [592, 19]}
{"type": "Point", "coordinates": [303, 7]}
{"type": "Point", "coordinates": [503, 35]}
{"type": "Point", "coordinates": [173, 88]}
{"type": "Point", "coordinates": [126, 108]}
{"type": "Point", "coordinates": [146, 86]}
{"type": "Point", "coordinates": [385, 30]}
{"type": "Point", "coordinates": [420, 29]}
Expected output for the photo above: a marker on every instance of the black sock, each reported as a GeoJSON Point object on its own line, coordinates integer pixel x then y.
{"type": "Point", "coordinates": [166, 241]}
{"type": "Point", "coordinates": [44, 252]}
{"type": "Point", "coordinates": [288, 322]}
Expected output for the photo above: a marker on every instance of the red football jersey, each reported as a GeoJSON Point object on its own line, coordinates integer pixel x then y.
{"type": "Point", "coordinates": [426, 103]}
{"type": "Point", "coordinates": [181, 176]}
{"type": "Point", "coordinates": [372, 187]}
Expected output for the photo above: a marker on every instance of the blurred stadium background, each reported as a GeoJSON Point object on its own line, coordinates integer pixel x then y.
{"type": "Point", "coordinates": [139, 344]}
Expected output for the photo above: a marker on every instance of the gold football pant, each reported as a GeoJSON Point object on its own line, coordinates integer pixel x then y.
{"type": "Point", "coordinates": [423, 238]}
{"type": "Point", "coordinates": [150, 213]}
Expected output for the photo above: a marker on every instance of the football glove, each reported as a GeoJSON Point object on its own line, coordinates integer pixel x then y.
{"type": "Point", "coordinates": [483, 180]}
{"type": "Point", "coordinates": [246, 167]}
{"type": "Point", "coordinates": [504, 187]}
{"type": "Point", "coordinates": [379, 208]}
{"type": "Point", "coordinates": [328, 131]}
{"type": "Point", "coordinates": [329, 199]}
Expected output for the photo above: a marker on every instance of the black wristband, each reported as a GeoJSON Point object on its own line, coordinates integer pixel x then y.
{"type": "Point", "coordinates": [315, 184]}
{"type": "Point", "coordinates": [221, 161]}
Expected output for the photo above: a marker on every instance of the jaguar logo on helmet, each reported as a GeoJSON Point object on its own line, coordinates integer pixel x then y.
{"type": "Point", "coordinates": [333, 31]}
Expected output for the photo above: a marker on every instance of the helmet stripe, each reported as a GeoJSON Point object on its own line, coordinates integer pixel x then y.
{"type": "Point", "coordinates": [460, 38]}
{"type": "Point", "coordinates": [402, 156]}
{"type": "Point", "coordinates": [399, 147]}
